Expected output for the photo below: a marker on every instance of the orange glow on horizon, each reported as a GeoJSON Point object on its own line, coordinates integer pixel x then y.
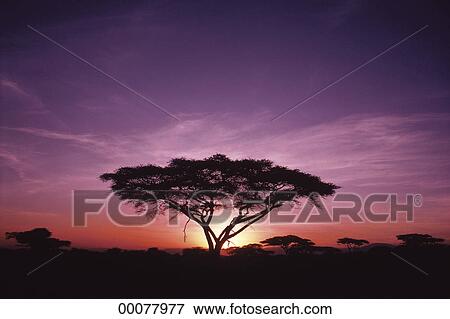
{"type": "Point", "coordinates": [101, 233]}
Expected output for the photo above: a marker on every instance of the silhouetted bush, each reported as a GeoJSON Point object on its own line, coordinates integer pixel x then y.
{"type": "Point", "coordinates": [248, 250]}
{"type": "Point", "coordinates": [195, 252]}
{"type": "Point", "coordinates": [352, 243]}
{"type": "Point", "coordinates": [37, 239]}
{"type": "Point", "coordinates": [418, 240]}
{"type": "Point", "coordinates": [291, 244]}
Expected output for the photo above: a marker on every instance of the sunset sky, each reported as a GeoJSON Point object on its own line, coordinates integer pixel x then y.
{"type": "Point", "coordinates": [225, 69]}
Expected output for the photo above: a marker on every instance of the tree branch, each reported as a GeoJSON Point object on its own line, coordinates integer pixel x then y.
{"type": "Point", "coordinates": [255, 219]}
{"type": "Point", "coordinates": [184, 229]}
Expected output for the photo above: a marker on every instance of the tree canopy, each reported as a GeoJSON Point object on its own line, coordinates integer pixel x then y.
{"type": "Point", "coordinates": [198, 189]}
{"type": "Point", "coordinates": [288, 242]}
{"type": "Point", "coordinates": [301, 247]}
{"type": "Point", "coordinates": [248, 250]}
{"type": "Point", "coordinates": [418, 240]}
{"type": "Point", "coordinates": [351, 243]}
{"type": "Point", "coordinates": [38, 239]}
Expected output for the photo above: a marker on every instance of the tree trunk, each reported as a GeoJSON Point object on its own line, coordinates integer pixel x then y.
{"type": "Point", "coordinates": [218, 248]}
{"type": "Point", "coordinates": [214, 247]}
{"type": "Point", "coordinates": [209, 240]}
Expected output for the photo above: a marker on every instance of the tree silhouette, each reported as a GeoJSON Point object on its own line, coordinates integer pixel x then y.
{"type": "Point", "coordinates": [37, 239]}
{"type": "Point", "coordinates": [351, 243]}
{"type": "Point", "coordinates": [248, 250]}
{"type": "Point", "coordinates": [301, 247]}
{"type": "Point", "coordinates": [114, 251]}
{"type": "Point", "coordinates": [199, 188]}
{"type": "Point", "coordinates": [287, 242]}
{"type": "Point", "coordinates": [418, 240]}
{"type": "Point", "coordinates": [156, 252]}
{"type": "Point", "coordinates": [194, 252]}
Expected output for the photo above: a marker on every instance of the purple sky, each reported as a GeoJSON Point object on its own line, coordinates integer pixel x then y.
{"type": "Point", "coordinates": [225, 69]}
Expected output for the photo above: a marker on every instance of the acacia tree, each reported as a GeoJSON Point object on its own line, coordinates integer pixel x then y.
{"type": "Point", "coordinates": [287, 242]}
{"type": "Point", "coordinates": [351, 243]}
{"type": "Point", "coordinates": [37, 239]}
{"type": "Point", "coordinates": [303, 246]}
{"type": "Point", "coordinates": [248, 250]}
{"type": "Point", "coordinates": [418, 240]}
{"type": "Point", "coordinates": [200, 189]}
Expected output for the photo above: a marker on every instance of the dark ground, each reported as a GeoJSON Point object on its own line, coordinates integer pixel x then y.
{"type": "Point", "coordinates": [87, 274]}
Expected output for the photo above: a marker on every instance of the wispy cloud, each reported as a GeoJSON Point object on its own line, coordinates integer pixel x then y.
{"type": "Point", "coordinates": [14, 86]}
{"type": "Point", "coordinates": [33, 103]}
{"type": "Point", "coordinates": [373, 152]}
{"type": "Point", "coordinates": [363, 150]}
{"type": "Point", "coordinates": [81, 139]}
{"type": "Point", "coordinates": [18, 99]}
{"type": "Point", "coordinates": [12, 161]}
